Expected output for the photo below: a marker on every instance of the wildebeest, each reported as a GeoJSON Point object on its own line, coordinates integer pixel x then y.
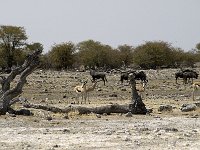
{"type": "Point", "coordinates": [98, 75]}
{"type": "Point", "coordinates": [138, 76]}
{"type": "Point", "coordinates": [186, 74]}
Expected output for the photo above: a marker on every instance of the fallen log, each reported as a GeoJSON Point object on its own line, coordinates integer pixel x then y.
{"type": "Point", "coordinates": [108, 109]}
{"type": "Point", "coordinates": [48, 108]}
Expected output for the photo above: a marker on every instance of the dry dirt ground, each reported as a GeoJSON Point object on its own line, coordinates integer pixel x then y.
{"type": "Point", "coordinates": [158, 130]}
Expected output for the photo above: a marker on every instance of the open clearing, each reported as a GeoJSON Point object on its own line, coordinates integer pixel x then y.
{"type": "Point", "coordinates": [159, 130]}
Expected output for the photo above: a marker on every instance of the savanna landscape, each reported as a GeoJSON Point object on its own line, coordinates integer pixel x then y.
{"type": "Point", "coordinates": [168, 129]}
{"type": "Point", "coordinates": [62, 64]}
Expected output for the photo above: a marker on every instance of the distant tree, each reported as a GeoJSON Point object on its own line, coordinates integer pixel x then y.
{"type": "Point", "coordinates": [62, 55]}
{"type": "Point", "coordinates": [11, 39]}
{"type": "Point", "coordinates": [2, 57]}
{"type": "Point", "coordinates": [153, 54]}
{"type": "Point", "coordinates": [93, 53]}
{"type": "Point", "coordinates": [31, 47]}
{"type": "Point", "coordinates": [189, 59]}
{"type": "Point", "coordinates": [126, 54]}
{"type": "Point", "coordinates": [178, 56]}
{"type": "Point", "coordinates": [115, 60]}
{"type": "Point", "coordinates": [45, 62]}
{"type": "Point", "coordinates": [198, 46]}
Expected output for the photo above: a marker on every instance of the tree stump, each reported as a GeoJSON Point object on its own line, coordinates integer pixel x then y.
{"type": "Point", "coordinates": [136, 105]}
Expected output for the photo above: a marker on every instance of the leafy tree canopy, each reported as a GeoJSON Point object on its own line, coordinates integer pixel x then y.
{"type": "Point", "coordinates": [12, 38]}
{"type": "Point", "coordinates": [153, 54]}
{"type": "Point", "coordinates": [62, 55]}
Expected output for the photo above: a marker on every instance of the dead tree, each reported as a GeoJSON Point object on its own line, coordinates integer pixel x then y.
{"type": "Point", "coordinates": [8, 95]}
{"type": "Point", "coordinates": [136, 106]}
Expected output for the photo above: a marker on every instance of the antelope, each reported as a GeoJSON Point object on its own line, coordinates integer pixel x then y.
{"type": "Point", "coordinates": [138, 76]}
{"type": "Point", "coordinates": [195, 86]}
{"type": "Point", "coordinates": [81, 89]}
{"type": "Point", "coordinates": [186, 74]}
{"type": "Point", "coordinates": [98, 75]}
{"type": "Point", "coordinates": [89, 89]}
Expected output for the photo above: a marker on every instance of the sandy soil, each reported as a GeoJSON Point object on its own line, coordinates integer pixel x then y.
{"type": "Point", "coordinates": [159, 130]}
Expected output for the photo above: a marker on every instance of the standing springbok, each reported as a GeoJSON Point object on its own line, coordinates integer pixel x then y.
{"type": "Point", "coordinates": [89, 89]}
{"type": "Point", "coordinates": [195, 86]}
{"type": "Point", "coordinates": [81, 89]}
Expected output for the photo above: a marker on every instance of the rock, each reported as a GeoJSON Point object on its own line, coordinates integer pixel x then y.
{"type": "Point", "coordinates": [66, 131]}
{"type": "Point", "coordinates": [49, 118]}
{"type": "Point", "coordinates": [197, 104]}
{"type": "Point", "coordinates": [165, 108]}
{"type": "Point", "coordinates": [195, 116]}
{"type": "Point", "coordinates": [149, 110]}
{"type": "Point", "coordinates": [113, 95]}
{"type": "Point", "coordinates": [109, 132]}
{"type": "Point", "coordinates": [66, 117]}
{"type": "Point", "coordinates": [123, 89]}
{"type": "Point", "coordinates": [129, 114]}
{"type": "Point", "coordinates": [99, 89]}
{"type": "Point", "coordinates": [24, 112]}
{"type": "Point", "coordinates": [98, 115]}
{"type": "Point", "coordinates": [12, 115]}
{"type": "Point", "coordinates": [188, 107]}
{"type": "Point", "coordinates": [56, 146]}
{"type": "Point", "coordinates": [127, 139]}
{"type": "Point", "coordinates": [105, 114]}
{"type": "Point", "coordinates": [171, 130]}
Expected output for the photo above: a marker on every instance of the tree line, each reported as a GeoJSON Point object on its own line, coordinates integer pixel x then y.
{"type": "Point", "coordinates": [14, 48]}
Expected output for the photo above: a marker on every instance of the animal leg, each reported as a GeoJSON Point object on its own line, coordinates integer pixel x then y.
{"type": "Point", "coordinates": [88, 98]}
{"type": "Point", "coordinates": [77, 99]}
{"type": "Point", "coordinates": [85, 97]}
{"type": "Point", "coordinates": [194, 92]}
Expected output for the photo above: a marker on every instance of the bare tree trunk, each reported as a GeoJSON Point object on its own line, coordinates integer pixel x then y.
{"type": "Point", "coordinates": [136, 105]}
{"type": "Point", "coordinates": [8, 95]}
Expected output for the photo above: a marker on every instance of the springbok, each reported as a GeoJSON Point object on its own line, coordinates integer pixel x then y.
{"type": "Point", "coordinates": [196, 87]}
{"type": "Point", "coordinates": [90, 89]}
{"type": "Point", "coordinates": [81, 89]}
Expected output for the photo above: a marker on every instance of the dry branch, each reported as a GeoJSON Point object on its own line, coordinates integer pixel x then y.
{"type": "Point", "coordinates": [7, 94]}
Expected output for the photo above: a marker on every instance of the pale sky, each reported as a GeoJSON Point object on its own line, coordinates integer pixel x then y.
{"type": "Point", "coordinates": [112, 22]}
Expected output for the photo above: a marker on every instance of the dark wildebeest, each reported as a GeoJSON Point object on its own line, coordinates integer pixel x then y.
{"type": "Point", "coordinates": [186, 74]}
{"type": "Point", "coordinates": [98, 75]}
{"type": "Point", "coordinates": [189, 75]}
{"type": "Point", "coordinates": [138, 76]}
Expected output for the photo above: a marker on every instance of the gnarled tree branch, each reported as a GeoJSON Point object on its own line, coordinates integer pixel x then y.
{"type": "Point", "coordinates": [7, 94]}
